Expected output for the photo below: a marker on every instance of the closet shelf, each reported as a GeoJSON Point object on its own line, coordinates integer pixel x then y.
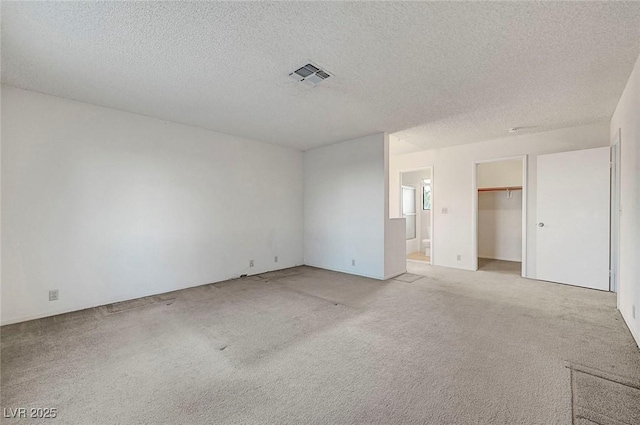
{"type": "Point", "coordinates": [495, 189]}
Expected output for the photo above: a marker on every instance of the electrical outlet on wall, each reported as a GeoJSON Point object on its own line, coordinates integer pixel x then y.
{"type": "Point", "coordinates": [633, 311]}
{"type": "Point", "coordinates": [445, 210]}
{"type": "Point", "coordinates": [250, 263]}
{"type": "Point", "coordinates": [459, 257]}
{"type": "Point", "coordinates": [275, 259]}
{"type": "Point", "coordinates": [53, 295]}
{"type": "Point", "coordinates": [353, 262]}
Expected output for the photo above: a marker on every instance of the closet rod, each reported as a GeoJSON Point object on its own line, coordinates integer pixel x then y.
{"type": "Point", "coordinates": [494, 189]}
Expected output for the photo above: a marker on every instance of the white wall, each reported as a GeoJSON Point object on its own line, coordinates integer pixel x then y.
{"type": "Point", "coordinates": [627, 119]}
{"type": "Point", "coordinates": [500, 225]}
{"type": "Point", "coordinates": [106, 205]}
{"type": "Point", "coordinates": [453, 185]}
{"type": "Point", "coordinates": [344, 206]}
{"type": "Point", "coordinates": [395, 262]}
{"type": "Point", "coordinates": [500, 174]}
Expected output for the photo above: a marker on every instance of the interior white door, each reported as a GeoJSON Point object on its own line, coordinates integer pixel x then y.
{"type": "Point", "coordinates": [572, 237]}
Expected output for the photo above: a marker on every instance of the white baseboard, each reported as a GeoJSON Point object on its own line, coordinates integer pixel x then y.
{"type": "Point", "coordinates": [516, 260]}
{"type": "Point", "coordinates": [335, 269]}
{"type": "Point", "coordinates": [128, 297]}
{"type": "Point", "coordinates": [633, 331]}
{"type": "Point", "coordinates": [86, 306]}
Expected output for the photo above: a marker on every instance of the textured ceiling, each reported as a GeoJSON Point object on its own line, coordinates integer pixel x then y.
{"type": "Point", "coordinates": [435, 74]}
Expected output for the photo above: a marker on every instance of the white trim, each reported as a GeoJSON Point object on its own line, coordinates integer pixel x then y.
{"type": "Point", "coordinates": [474, 216]}
{"type": "Point", "coordinates": [513, 260]}
{"type": "Point", "coordinates": [431, 216]}
{"type": "Point", "coordinates": [525, 193]}
{"type": "Point", "coordinates": [474, 208]}
{"type": "Point", "coordinates": [614, 215]}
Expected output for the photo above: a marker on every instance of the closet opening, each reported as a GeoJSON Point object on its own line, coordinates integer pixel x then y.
{"type": "Point", "coordinates": [500, 211]}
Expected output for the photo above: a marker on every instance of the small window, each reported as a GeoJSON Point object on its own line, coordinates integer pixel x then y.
{"type": "Point", "coordinates": [426, 194]}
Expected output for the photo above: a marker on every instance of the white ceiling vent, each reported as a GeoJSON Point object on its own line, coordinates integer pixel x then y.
{"type": "Point", "coordinates": [310, 74]}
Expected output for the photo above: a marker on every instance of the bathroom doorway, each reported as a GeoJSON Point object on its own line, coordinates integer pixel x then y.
{"type": "Point", "coordinates": [417, 198]}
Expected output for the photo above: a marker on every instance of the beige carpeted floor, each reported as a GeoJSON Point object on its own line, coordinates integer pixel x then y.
{"type": "Point", "coordinates": [308, 346]}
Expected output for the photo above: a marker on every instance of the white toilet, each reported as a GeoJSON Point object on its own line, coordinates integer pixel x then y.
{"type": "Point", "coordinates": [426, 244]}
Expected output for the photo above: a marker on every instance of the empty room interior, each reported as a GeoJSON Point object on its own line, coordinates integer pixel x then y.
{"type": "Point", "coordinates": [320, 212]}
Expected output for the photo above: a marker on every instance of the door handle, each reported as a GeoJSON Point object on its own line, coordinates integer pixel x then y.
{"type": "Point", "coordinates": [540, 224]}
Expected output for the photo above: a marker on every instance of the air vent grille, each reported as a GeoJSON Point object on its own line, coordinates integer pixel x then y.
{"type": "Point", "coordinates": [311, 68]}
{"type": "Point", "coordinates": [310, 74]}
{"type": "Point", "coordinates": [304, 72]}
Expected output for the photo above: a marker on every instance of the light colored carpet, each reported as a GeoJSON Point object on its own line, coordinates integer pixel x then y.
{"type": "Point", "coordinates": [309, 346]}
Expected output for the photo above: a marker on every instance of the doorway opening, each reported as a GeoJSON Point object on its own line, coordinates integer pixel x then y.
{"type": "Point", "coordinates": [417, 198]}
{"type": "Point", "coordinates": [500, 212]}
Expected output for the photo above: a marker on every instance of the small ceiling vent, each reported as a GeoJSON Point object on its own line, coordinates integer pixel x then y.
{"type": "Point", "coordinates": [310, 74]}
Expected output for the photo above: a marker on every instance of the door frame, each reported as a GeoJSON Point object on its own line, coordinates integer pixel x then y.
{"type": "Point", "coordinates": [474, 207]}
{"type": "Point", "coordinates": [614, 216]}
{"type": "Point", "coordinates": [431, 218]}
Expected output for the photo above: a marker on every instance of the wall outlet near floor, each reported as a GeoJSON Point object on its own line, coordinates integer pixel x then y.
{"type": "Point", "coordinates": [353, 262]}
{"type": "Point", "coordinates": [459, 257]}
{"type": "Point", "coordinates": [275, 259]}
{"type": "Point", "coordinates": [445, 210]}
{"type": "Point", "coordinates": [633, 311]}
{"type": "Point", "coordinates": [53, 295]}
{"type": "Point", "coordinates": [250, 263]}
